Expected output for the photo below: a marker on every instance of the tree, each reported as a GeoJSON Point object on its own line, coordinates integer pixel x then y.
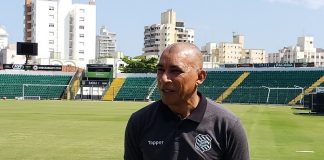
{"type": "Point", "coordinates": [142, 65]}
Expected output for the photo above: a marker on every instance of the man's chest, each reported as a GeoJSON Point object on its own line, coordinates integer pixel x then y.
{"type": "Point", "coordinates": [179, 140]}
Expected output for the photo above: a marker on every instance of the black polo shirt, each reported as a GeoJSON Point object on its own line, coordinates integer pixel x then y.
{"type": "Point", "coordinates": [209, 132]}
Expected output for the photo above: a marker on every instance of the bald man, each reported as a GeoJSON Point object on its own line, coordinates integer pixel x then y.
{"type": "Point", "coordinates": [184, 124]}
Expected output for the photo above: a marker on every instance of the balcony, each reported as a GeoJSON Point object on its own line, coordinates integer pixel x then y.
{"type": "Point", "coordinates": [29, 38]}
{"type": "Point", "coordinates": [150, 48]}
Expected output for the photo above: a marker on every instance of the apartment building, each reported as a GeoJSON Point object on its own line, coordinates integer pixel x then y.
{"type": "Point", "coordinates": [303, 52]}
{"type": "Point", "coordinates": [105, 43]}
{"type": "Point", "coordinates": [158, 36]}
{"type": "Point", "coordinates": [8, 52]}
{"type": "Point", "coordinates": [231, 53]}
{"type": "Point", "coordinates": [253, 56]}
{"type": "Point", "coordinates": [3, 37]}
{"type": "Point", "coordinates": [9, 55]}
{"type": "Point", "coordinates": [62, 30]}
{"type": "Point", "coordinates": [208, 51]}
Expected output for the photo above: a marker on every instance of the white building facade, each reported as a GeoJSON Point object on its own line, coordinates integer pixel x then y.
{"type": "Point", "coordinates": [231, 53]}
{"type": "Point", "coordinates": [3, 37]}
{"type": "Point", "coordinates": [8, 51]}
{"type": "Point", "coordinates": [303, 52]}
{"type": "Point", "coordinates": [208, 51]}
{"type": "Point", "coordinates": [105, 43]}
{"type": "Point", "coordinates": [158, 36]}
{"type": "Point", "coordinates": [9, 55]}
{"type": "Point", "coordinates": [62, 30]}
{"type": "Point", "coordinates": [253, 56]}
{"type": "Point", "coordinates": [228, 53]}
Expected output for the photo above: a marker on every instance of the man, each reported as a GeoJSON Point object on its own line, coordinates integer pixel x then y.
{"type": "Point", "coordinates": [183, 124]}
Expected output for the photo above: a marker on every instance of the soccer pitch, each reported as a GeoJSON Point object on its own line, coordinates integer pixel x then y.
{"type": "Point", "coordinates": [83, 130]}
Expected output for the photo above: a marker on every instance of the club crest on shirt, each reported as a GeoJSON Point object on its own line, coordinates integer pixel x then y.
{"type": "Point", "coordinates": [203, 142]}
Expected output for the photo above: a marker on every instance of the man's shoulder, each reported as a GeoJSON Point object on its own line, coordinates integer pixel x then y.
{"type": "Point", "coordinates": [217, 111]}
{"type": "Point", "coordinates": [146, 111]}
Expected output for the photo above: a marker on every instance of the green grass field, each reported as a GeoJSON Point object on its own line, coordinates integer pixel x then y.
{"type": "Point", "coordinates": [83, 130]}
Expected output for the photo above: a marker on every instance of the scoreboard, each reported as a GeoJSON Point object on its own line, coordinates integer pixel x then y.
{"type": "Point", "coordinates": [99, 71]}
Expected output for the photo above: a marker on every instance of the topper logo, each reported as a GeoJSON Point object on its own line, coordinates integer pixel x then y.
{"type": "Point", "coordinates": [155, 143]}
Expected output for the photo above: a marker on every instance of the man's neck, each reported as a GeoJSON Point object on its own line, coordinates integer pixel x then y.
{"type": "Point", "coordinates": [185, 109]}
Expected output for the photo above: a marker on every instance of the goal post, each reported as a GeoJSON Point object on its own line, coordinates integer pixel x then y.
{"type": "Point", "coordinates": [31, 98]}
{"type": "Point", "coordinates": [42, 91]}
{"type": "Point", "coordinates": [283, 88]}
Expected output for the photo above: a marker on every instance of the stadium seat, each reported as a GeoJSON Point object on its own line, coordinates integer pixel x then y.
{"type": "Point", "coordinates": [254, 88]}
{"type": "Point", "coordinates": [135, 88]}
{"type": "Point", "coordinates": [15, 85]}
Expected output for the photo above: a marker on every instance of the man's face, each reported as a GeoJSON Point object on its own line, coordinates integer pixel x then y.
{"type": "Point", "coordinates": [177, 76]}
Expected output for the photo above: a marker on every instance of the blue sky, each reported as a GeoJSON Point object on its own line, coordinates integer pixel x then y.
{"type": "Point", "coordinates": [266, 24]}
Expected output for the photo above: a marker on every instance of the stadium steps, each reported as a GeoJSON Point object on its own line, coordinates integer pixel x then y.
{"type": "Point", "coordinates": [230, 89]}
{"type": "Point", "coordinates": [116, 84]}
{"type": "Point", "coordinates": [74, 85]}
{"type": "Point", "coordinates": [152, 89]}
{"type": "Point", "coordinates": [307, 91]}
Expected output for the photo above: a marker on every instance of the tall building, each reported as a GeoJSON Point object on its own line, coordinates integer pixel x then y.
{"type": "Point", "coordinates": [3, 45]}
{"type": "Point", "coordinates": [158, 36]}
{"type": "Point", "coordinates": [3, 37]}
{"type": "Point", "coordinates": [65, 32]}
{"type": "Point", "coordinates": [208, 51]}
{"type": "Point", "coordinates": [9, 55]}
{"type": "Point", "coordinates": [28, 21]}
{"type": "Point", "coordinates": [231, 53]}
{"type": "Point", "coordinates": [303, 52]}
{"type": "Point", "coordinates": [253, 56]}
{"type": "Point", "coordinates": [105, 43]}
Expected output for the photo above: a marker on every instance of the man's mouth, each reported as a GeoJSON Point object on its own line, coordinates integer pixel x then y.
{"type": "Point", "coordinates": [167, 90]}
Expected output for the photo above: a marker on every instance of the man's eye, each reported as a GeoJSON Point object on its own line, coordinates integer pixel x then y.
{"type": "Point", "coordinates": [159, 70]}
{"type": "Point", "coordinates": [176, 71]}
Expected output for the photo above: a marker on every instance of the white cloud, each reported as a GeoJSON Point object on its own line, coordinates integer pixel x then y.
{"type": "Point", "coordinates": [312, 4]}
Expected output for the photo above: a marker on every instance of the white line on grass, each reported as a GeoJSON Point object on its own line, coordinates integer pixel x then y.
{"type": "Point", "coordinates": [305, 151]}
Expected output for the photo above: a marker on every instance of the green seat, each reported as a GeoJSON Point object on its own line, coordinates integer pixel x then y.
{"type": "Point", "coordinates": [11, 85]}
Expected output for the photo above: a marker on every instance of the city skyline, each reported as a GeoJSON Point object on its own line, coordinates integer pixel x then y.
{"type": "Point", "coordinates": [266, 24]}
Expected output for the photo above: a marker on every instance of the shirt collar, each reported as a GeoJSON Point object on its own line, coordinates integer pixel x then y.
{"type": "Point", "coordinates": [196, 115]}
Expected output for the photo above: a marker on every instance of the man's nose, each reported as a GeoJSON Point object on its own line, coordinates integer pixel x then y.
{"type": "Point", "coordinates": [165, 78]}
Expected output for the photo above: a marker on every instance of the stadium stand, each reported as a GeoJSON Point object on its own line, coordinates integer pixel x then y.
{"type": "Point", "coordinates": [282, 85]}
{"type": "Point", "coordinates": [233, 86]}
{"type": "Point", "coordinates": [217, 82]}
{"type": "Point", "coordinates": [44, 85]}
{"type": "Point", "coordinates": [241, 85]}
{"type": "Point", "coordinates": [135, 88]}
{"type": "Point", "coordinates": [155, 95]}
{"type": "Point", "coordinates": [214, 85]}
{"type": "Point", "coordinates": [116, 84]}
{"type": "Point", "coordinates": [307, 91]}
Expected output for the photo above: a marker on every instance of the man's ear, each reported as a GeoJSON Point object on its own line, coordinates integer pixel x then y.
{"type": "Point", "coordinates": [201, 77]}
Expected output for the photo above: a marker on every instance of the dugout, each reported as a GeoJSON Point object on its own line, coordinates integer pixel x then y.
{"type": "Point", "coordinates": [315, 102]}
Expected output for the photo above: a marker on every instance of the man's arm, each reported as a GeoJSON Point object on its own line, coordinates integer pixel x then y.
{"type": "Point", "coordinates": [131, 144]}
{"type": "Point", "coordinates": [237, 147]}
